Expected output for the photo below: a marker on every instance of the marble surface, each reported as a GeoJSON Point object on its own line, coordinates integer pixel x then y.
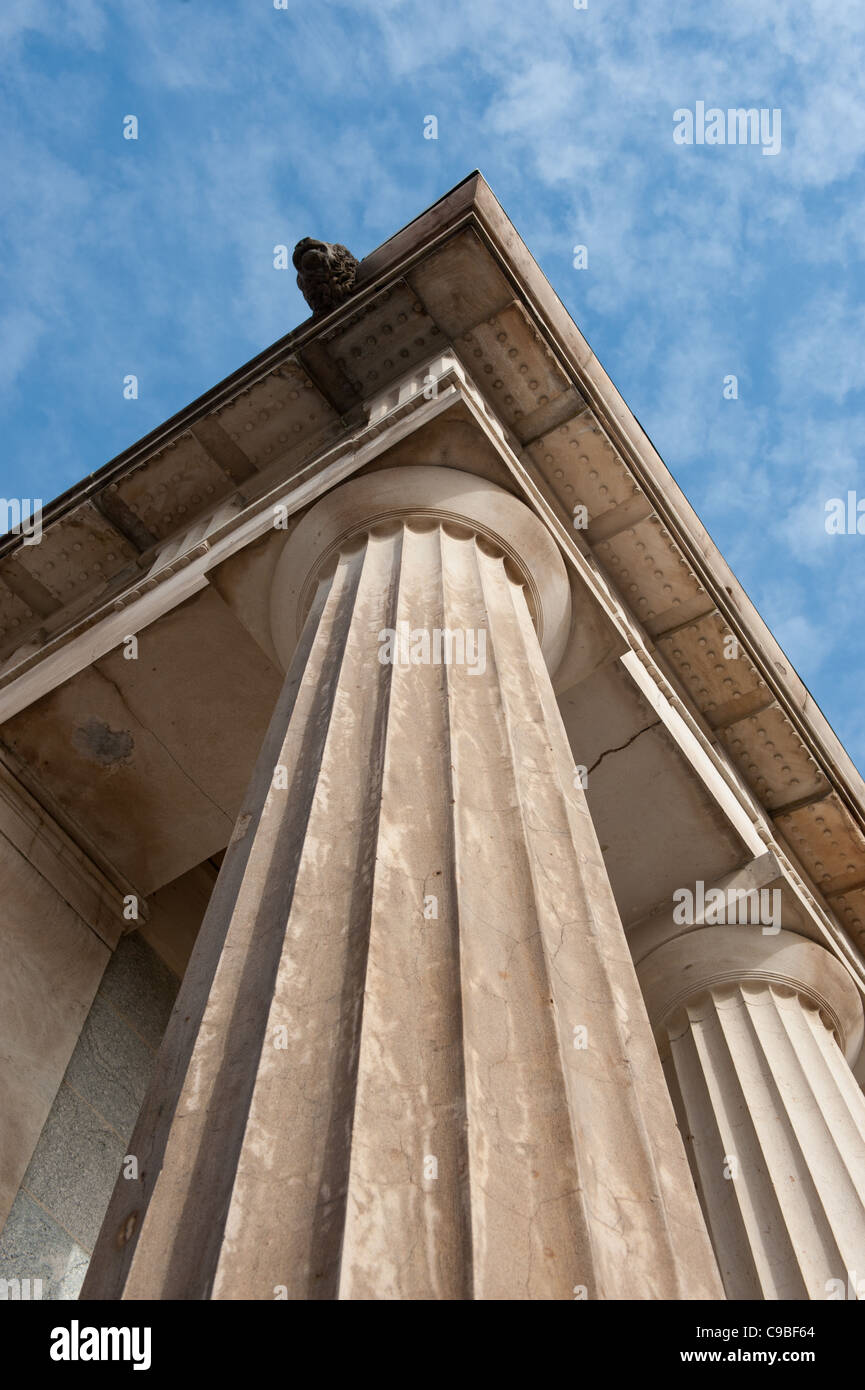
{"type": "Point", "coordinates": [51, 967]}
{"type": "Point", "coordinates": [57, 1213]}
{"type": "Point", "coordinates": [360, 1097]}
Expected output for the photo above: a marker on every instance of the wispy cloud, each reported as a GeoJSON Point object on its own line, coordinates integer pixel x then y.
{"type": "Point", "coordinates": [258, 126]}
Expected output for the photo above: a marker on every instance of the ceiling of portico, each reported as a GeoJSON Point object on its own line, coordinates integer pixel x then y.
{"type": "Point", "coordinates": [147, 760]}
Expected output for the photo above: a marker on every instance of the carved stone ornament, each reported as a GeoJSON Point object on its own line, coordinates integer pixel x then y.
{"type": "Point", "coordinates": [326, 273]}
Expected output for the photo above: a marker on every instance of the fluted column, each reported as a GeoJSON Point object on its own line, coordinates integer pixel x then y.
{"type": "Point", "coordinates": [411, 1059]}
{"type": "Point", "coordinates": [752, 1029]}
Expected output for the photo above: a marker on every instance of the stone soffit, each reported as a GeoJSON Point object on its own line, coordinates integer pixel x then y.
{"type": "Point", "coordinates": [457, 295]}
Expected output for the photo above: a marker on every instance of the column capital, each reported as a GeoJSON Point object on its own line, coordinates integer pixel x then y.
{"type": "Point", "coordinates": [727, 957]}
{"type": "Point", "coordinates": [422, 497]}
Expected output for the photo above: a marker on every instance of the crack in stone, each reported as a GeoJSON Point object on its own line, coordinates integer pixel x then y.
{"type": "Point", "coordinates": [621, 746]}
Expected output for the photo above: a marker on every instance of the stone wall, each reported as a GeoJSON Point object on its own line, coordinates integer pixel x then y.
{"type": "Point", "coordinates": [59, 1208]}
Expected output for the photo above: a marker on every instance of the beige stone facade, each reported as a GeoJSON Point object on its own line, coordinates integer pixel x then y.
{"type": "Point", "coordinates": [393, 703]}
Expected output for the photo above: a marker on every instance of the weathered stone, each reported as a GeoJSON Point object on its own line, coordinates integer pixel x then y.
{"type": "Point", "coordinates": [753, 1028]}
{"type": "Point", "coordinates": [326, 273]}
{"type": "Point", "coordinates": [375, 1085]}
{"type": "Point", "coordinates": [428, 876]}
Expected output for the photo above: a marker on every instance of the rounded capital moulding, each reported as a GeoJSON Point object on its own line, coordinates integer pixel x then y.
{"type": "Point", "coordinates": [723, 957]}
{"type": "Point", "coordinates": [422, 495]}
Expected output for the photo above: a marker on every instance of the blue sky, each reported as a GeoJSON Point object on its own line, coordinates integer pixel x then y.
{"type": "Point", "coordinates": [259, 126]}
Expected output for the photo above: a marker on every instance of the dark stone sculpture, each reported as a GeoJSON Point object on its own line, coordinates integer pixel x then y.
{"type": "Point", "coordinates": [325, 273]}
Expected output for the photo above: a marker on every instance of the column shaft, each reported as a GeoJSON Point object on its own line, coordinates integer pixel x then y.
{"type": "Point", "coordinates": [776, 1129]}
{"type": "Point", "coordinates": [370, 1088]}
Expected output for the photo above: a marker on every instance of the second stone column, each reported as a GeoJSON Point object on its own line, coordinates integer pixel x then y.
{"type": "Point", "coordinates": [753, 1030]}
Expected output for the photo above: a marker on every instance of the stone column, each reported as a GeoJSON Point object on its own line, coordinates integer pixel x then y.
{"type": "Point", "coordinates": [753, 1030]}
{"type": "Point", "coordinates": [410, 1058]}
